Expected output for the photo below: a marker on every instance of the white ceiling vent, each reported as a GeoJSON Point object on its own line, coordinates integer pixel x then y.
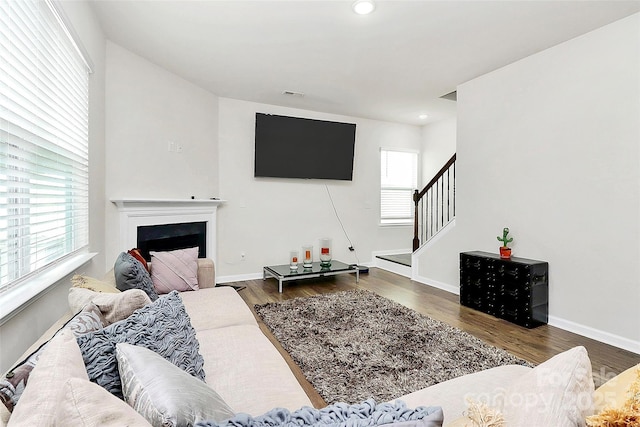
{"type": "Point", "coordinates": [452, 96]}
{"type": "Point", "coordinates": [292, 93]}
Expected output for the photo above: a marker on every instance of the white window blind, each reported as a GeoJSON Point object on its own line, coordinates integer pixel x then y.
{"type": "Point", "coordinates": [398, 180]}
{"type": "Point", "coordinates": [43, 141]}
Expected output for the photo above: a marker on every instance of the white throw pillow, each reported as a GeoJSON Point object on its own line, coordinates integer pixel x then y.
{"type": "Point", "coordinates": [87, 404]}
{"type": "Point", "coordinates": [114, 307]}
{"type": "Point", "coordinates": [59, 393]}
{"type": "Point", "coordinates": [60, 360]}
{"type": "Point", "coordinates": [558, 392]}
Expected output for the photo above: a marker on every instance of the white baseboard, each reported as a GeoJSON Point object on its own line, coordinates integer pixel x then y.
{"type": "Point", "coordinates": [436, 284]}
{"type": "Point", "coordinates": [257, 276]}
{"type": "Point", "coordinates": [567, 325]}
{"type": "Point", "coordinates": [596, 334]}
{"type": "Point", "coordinates": [238, 277]}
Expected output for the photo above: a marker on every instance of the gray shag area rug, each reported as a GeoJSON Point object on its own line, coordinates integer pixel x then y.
{"type": "Point", "coordinates": [354, 345]}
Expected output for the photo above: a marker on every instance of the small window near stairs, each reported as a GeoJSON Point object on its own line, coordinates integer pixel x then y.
{"type": "Point", "coordinates": [398, 180]}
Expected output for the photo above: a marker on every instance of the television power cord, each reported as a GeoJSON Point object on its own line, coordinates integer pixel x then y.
{"type": "Point", "coordinates": [351, 247]}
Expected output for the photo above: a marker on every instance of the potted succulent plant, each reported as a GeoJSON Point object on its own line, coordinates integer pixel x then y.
{"type": "Point", "coordinates": [505, 251]}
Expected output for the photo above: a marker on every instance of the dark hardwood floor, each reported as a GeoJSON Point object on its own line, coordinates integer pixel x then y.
{"type": "Point", "coordinates": [535, 345]}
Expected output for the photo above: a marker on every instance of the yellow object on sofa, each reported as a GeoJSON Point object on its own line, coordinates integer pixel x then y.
{"type": "Point", "coordinates": [86, 282]}
{"type": "Point", "coordinates": [618, 401]}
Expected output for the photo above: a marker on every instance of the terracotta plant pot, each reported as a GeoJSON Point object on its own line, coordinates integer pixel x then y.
{"type": "Point", "coordinates": [505, 252]}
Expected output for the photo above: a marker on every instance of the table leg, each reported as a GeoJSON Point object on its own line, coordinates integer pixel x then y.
{"type": "Point", "coordinates": [280, 285]}
{"type": "Point", "coordinates": [357, 274]}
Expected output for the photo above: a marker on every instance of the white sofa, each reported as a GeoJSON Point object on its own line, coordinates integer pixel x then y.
{"type": "Point", "coordinates": [248, 372]}
{"type": "Point", "coordinates": [241, 364]}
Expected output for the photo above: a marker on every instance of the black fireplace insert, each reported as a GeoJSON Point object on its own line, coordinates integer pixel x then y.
{"type": "Point", "coordinates": [168, 237]}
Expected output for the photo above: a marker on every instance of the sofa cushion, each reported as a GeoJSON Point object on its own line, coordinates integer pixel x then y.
{"type": "Point", "coordinates": [172, 398]}
{"type": "Point", "coordinates": [162, 326]}
{"type": "Point", "coordinates": [14, 382]}
{"type": "Point", "coordinates": [248, 372]}
{"type": "Point", "coordinates": [114, 307]}
{"type": "Point", "coordinates": [59, 361]}
{"type": "Point", "coordinates": [86, 282]}
{"type": "Point", "coordinates": [175, 270]}
{"type": "Point", "coordinates": [558, 392]}
{"type": "Point", "coordinates": [206, 273]}
{"type": "Point", "coordinates": [364, 414]}
{"type": "Point", "coordinates": [131, 274]}
{"type": "Point", "coordinates": [451, 394]}
{"type": "Point", "coordinates": [217, 308]}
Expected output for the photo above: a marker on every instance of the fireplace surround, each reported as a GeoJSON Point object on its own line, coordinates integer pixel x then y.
{"type": "Point", "coordinates": [136, 213]}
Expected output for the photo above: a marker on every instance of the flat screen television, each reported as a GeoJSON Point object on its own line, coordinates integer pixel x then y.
{"type": "Point", "coordinates": [294, 147]}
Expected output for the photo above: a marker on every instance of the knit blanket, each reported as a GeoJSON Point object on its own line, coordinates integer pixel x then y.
{"type": "Point", "coordinates": [365, 414]}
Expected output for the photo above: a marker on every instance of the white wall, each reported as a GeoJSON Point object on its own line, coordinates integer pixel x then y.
{"type": "Point", "coordinates": [438, 145]}
{"type": "Point", "coordinates": [265, 218]}
{"type": "Point", "coordinates": [146, 108]}
{"type": "Point", "coordinates": [549, 146]}
{"type": "Point", "coordinates": [19, 332]}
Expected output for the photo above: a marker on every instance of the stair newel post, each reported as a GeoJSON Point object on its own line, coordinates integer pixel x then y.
{"type": "Point", "coordinates": [416, 239]}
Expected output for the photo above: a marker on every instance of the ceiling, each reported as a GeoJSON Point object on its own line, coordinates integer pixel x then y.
{"type": "Point", "coordinates": [392, 65]}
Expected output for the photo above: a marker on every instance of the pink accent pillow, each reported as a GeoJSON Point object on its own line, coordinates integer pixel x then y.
{"type": "Point", "coordinates": [175, 270]}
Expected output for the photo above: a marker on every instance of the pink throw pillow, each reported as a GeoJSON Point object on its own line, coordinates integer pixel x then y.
{"type": "Point", "coordinates": [175, 270]}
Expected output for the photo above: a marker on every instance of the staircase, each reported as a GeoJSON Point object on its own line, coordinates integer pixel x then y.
{"type": "Point", "coordinates": [435, 204]}
{"type": "Point", "coordinates": [435, 208]}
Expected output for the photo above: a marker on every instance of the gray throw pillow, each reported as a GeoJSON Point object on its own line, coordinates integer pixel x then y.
{"type": "Point", "coordinates": [163, 393]}
{"type": "Point", "coordinates": [131, 274]}
{"type": "Point", "coordinates": [365, 414]}
{"type": "Point", "coordinates": [163, 327]}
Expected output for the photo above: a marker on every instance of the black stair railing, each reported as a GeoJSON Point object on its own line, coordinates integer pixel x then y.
{"type": "Point", "coordinates": [435, 204]}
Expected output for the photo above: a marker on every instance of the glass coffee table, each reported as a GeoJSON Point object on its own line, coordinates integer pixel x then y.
{"type": "Point", "coordinates": [282, 273]}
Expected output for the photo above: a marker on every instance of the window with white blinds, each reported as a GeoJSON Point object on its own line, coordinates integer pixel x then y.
{"type": "Point", "coordinates": [398, 180]}
{"type": "Point", "coordinates": [44, 181]}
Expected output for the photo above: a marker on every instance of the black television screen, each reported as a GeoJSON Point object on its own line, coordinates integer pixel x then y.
{"type": "Point", "coordinates": [293, 147]}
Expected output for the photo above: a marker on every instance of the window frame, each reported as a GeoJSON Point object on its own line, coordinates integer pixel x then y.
{"type": "Point", "coordinates": [50, 24]}
{"type": "Point", "coordinates": [405, 220]}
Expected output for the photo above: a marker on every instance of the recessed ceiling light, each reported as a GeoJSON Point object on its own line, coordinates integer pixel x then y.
{"type": "Point", "coordinates": [423, 116]}
{"type": "Point", "coordinates": [363, 7]}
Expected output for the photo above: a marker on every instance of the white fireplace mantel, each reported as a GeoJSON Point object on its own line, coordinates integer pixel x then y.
{"type": "Point", "coordinates": [135, 213]}
{"type": "Point", "coordinates": [165, 203]}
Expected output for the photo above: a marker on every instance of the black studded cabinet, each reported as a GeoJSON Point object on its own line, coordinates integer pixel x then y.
{"type": "Point", "coordinates": [515, 289]}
